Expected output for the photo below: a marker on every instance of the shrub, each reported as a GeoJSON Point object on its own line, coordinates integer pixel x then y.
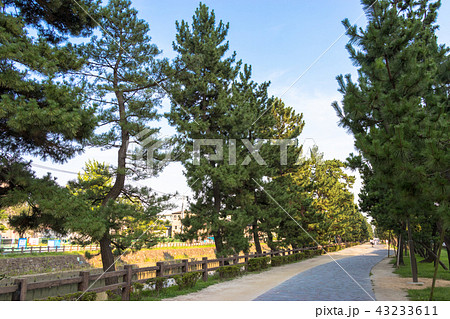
{"type": "Point", "coordinates": [277, 261]}
{"type": "Point", "coordinates": [138, 286]}
{"type": "Point", "coordinates": [90, 254]}
{"type": "Point", "coordinates": [136, 291]}
{"type": "Point", "coordinates": [87, 296]}
{"type": "Point", "coordinates": [258, 263]}
{"type": "Point", "coordinates": [299, 256]}
{"type": "Point", "coordinates": [187, 280]}
{"type": "Point", "coordinates": [158, 283]}
{"type": "Point", "coordinates": [113, 295]}
{"type": "Point", "coordinates": [229, 271]}
{"type": "Point", "coordinates": [308, 253]}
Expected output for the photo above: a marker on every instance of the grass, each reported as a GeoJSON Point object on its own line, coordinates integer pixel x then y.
{"type": "Point", "coordinates": [440, 294]}
{"type": "Point", "coordinates": [425, 270]}
{"type": "Point", "coordinates": [174, 291]}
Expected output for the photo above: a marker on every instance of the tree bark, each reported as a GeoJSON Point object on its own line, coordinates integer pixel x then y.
{"type": "Point", "coordinates": [256, 238]}
{"type": "Point", "coordinates": [270, 242]}
{"type": "Point", "coordinates": [435, 258]}
{"type": "Point", "coordinates": [389, 244]}
{"type": "Point", "coordinates": [106, 253]}
{"type": "Point", "coordinates": [447, 246]}
{"type": "Point", "coordinates": [436, 266]}
{"type": "Point", "coordinates": [218, 239]}
{"type": "Point", "coordinates": [412, 255]}
{"type": "Point", "coordinates": [400, 261]}
{"type": "Point", "coordinates": [107, 258]}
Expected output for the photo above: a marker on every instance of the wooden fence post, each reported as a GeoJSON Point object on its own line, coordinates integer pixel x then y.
{"type": "Point", "coordinates": [127, 279]}
{"type": "Point", "coordinates": [205, 268]}
{"type": "Point", "coordinates": [160, 270]}
{"type": "Point", "coordinates": [236, 259]}
{"type": "Point", "coordinates": [184, 267]}
{"type": "Point", "coordinates": [84, 284]}
{"type": "Point", "coordinates": [21, 293]}
{"type": "Point", "coordinates": [221, 263]}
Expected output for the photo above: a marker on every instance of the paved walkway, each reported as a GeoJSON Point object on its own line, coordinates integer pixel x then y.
{"type": "Point", "coordinates": [267, 283]}
{"type": "Point", "coordinates": [330, 281]}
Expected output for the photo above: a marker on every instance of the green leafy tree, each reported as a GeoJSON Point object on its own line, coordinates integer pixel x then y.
{"type": "Point", "coordinates": [124, 75]}
{"type": "Point", "coordinates": [77, 210]}
{"type": "Point", "coordinates": [42, 111]}
{"type": "Point", "coordinates": [130, 217]}
{"type": "Point", "coordinates": [398, 110]}
{"type": "Point", "coordinates": [200, 91]}
{"type": "Point", "coordinates": [277, 179]}
{"type": "Point", "coordinates": [3, 219]}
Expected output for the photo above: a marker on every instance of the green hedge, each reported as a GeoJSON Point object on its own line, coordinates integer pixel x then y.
{"type": "Point", "coordinates": [277, 261]}
{"type": "Point", "coordinates": [87, 296]}
{"type": "Point", "coordinates": [281, 260]}
{"type": "Point", "coordinates": [312, 252]}
{"type": "Point", "coordinates": [187, 280]}
{"type": "Point", "coordinates": [229, 271]}
{"type": "Point", "coordinates": [258, 263]}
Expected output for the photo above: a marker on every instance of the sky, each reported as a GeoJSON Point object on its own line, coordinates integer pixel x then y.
{"type": "Point", "coordinates": [299, 46]}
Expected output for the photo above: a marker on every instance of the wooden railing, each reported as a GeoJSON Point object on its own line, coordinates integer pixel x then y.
{"type": "Point", "coordinates": [46, 249]}
{"type": "Point", "coordinates": [131, 274]}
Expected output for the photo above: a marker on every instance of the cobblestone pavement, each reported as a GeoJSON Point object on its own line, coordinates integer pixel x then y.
{"type": "Point", "coordinates": [330, 282]}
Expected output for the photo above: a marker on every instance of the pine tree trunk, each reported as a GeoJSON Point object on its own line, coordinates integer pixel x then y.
{"type": "Point", "coordinates": [436, 265]}
{"type": "Point", "coordinates": [218, 239]}
{"type": "Point", "coordinates": [389, 244]}
{"type": "Point", "coordinates": [430, 255]}
{"type": "Point", "coordinates": [400, 261]}
{"type": "Point", "coordinates": [256, 238]}
{"type": "Point", "coordinates": [412, 255]}
{"type": "Point", "coordinates": [270, 242]}
{"type": "Point", "coordinates": [447, 246]}
{"type": "Point", "coordinates": [107, 258]}
{"type": "Point", "coordinates": [106, 253]}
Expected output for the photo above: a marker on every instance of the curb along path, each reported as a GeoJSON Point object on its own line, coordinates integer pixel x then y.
{"type": "Point", "coordinates": [256, 286]}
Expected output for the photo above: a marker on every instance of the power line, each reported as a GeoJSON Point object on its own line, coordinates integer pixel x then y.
{"type": "Point", "coordinates": [74, 173]}
{"type": "Point", "coordinates": [53, 169]}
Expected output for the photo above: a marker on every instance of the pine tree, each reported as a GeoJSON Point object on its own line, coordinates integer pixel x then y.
{"type": "Point", "coordinates": [398, 108]}
{"type": "Point", "coordinates": [77, 210]}
{"type": "Point", "coordinates": [200, 91]}
{"type": "Point", "coordinates": [43, 115]}
{"type": "Point", "coordinates": [125, 76]}
{"type": "Point", "coordinates": [42, 112]}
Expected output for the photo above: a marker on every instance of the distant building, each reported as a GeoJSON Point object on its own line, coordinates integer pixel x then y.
{"type": "Point", "coordinates": [174, 218]}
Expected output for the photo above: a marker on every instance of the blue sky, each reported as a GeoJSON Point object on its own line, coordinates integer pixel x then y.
{"type": "Point", "coordinates": [280, 39]}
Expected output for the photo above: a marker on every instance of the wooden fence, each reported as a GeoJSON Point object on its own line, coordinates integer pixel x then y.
{"type": "Point", "coordinates": [131, 274]}
{"type": "Point", "coordinates": [46, 249]}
